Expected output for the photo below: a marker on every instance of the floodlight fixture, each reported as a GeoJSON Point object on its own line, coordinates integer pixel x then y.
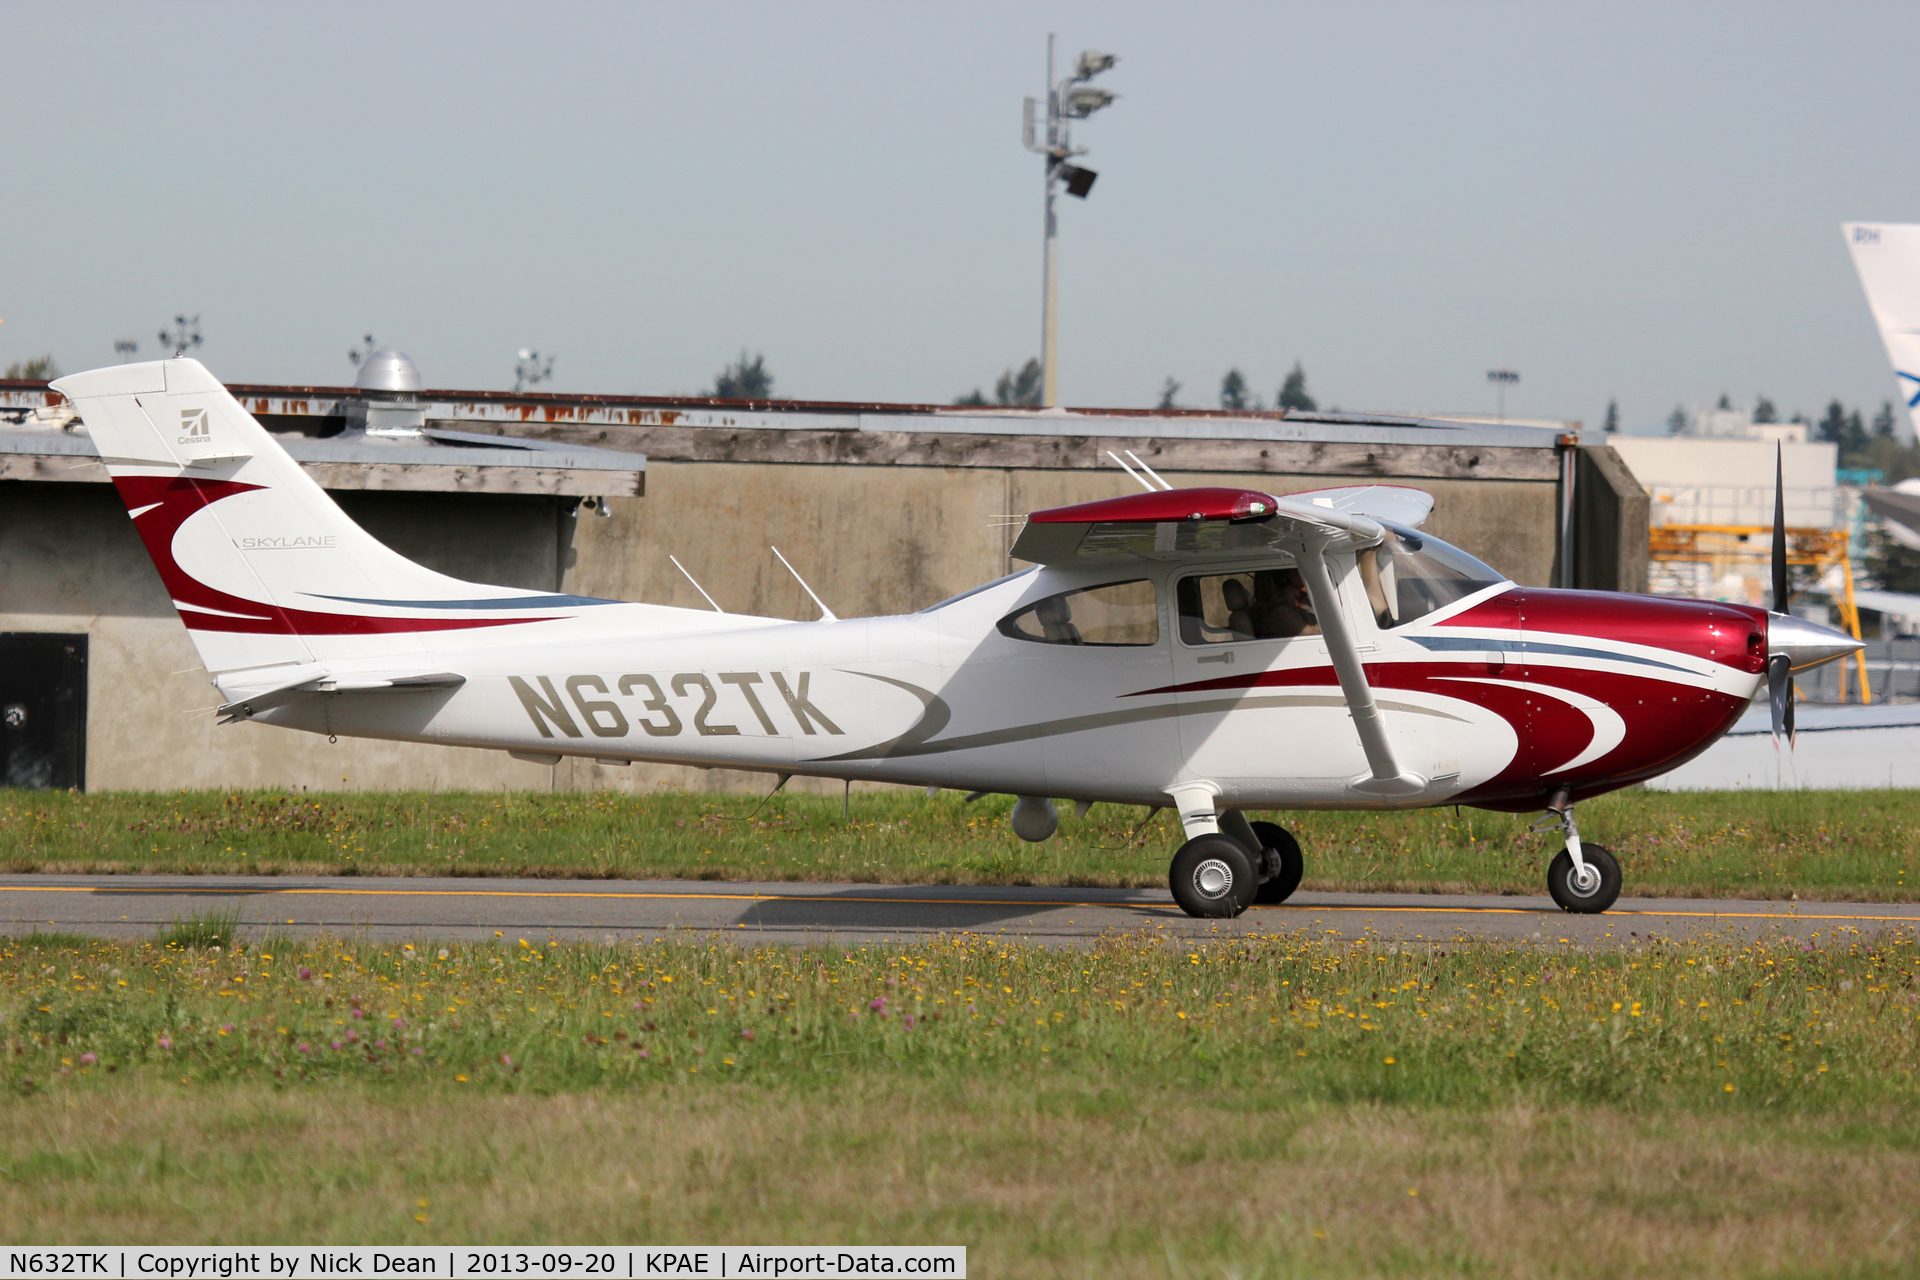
{"type": "Point", "coordinates": [1092, 63]}
{"type": "Point", "coordinates": [1068, 99]}
{"type": "Point", "coordinates": [1084, 99]}
{"type": "Point", "coordinates": [1079, 181]}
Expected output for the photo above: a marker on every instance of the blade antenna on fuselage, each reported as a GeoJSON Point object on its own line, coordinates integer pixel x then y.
{"type": "Point", "coordinates": [826, 614]}
{"type": "Point", "coordinates": [696, 585]}
{"type": "Point", "coordinates": [1136, 477]}
{"type": "Point", "coordinates": [1149, 470]}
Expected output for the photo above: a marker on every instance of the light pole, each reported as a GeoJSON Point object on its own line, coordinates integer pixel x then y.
{"type": "Point", "coordinates": [1067, 100]}
{"type": "Point", "coordinates": [1501, 380]}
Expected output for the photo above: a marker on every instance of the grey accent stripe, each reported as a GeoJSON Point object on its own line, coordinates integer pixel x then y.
{"type": "Point", "coordinates": [508, 602]}
{"type": "Point", "coordinates": [913, 742]}
{"type": "Point", "coordinates": [1459, 644]}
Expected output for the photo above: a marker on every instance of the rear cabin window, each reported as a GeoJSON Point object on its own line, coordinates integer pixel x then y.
{"type": "Point", "coordinates": [1268, 604]}
{"type": "Point", "coordinates": [1119, 613]}
{"type": "Point", "coordinates": [1410, 575]}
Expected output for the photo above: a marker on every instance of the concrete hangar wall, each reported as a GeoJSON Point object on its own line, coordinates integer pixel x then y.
{"type": "Point", "coordinates": [884, 508]}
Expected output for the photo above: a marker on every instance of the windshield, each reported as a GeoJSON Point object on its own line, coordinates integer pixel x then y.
{"type": "Point", "coordinates": [1410, 575]}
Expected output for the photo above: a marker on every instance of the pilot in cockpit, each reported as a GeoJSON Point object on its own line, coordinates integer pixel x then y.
{"type": "Point", "coordinates": [1280, 608]}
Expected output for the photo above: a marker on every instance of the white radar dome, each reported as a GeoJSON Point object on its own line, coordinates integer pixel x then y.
{"type": "Point", "coordinates": [388, 370]}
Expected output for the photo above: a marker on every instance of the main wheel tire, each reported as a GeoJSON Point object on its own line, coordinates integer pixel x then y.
{"type": "Point", "coordinates": [1585, 899]}
{"type": "Point", "coordinates": [1213, 878]}
{"type": "Point", "coordinates": [1280, 887]}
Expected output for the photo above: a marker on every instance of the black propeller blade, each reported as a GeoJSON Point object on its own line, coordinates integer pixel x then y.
{"type": "Point", "coordinates": [1779, 532]}
{"type": "Point", "coordinates": [1779, 666]}
{"type": "Point", "coordinates": [1780, 695]}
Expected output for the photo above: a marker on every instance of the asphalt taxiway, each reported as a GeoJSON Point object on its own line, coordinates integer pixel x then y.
{"type": "Point", "coordinates": [621, 910]}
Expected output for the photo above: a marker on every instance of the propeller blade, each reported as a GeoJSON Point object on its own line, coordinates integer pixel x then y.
{"type": "Point", "coordinates": [1779, 532]}
{"type": "Point", "coordinates": [1780, 696]}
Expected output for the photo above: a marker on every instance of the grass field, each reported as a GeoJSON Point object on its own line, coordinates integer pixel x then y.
{"type": "Point", "coordinates": [1854, 845]}
{"type": "Point", "coordinates": [1267, 1107]}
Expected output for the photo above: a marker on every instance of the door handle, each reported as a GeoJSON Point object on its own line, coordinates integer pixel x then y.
{"type": "Point", "coordinates": [1226, 657]}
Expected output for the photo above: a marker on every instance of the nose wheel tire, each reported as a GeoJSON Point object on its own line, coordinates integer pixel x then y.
{"type": "Point", "coordinates": [1213, 878]}
{"type": "Point", "coordinates": [1589, 895]}
{"type": "Point", "coordinates": [1278, 887]}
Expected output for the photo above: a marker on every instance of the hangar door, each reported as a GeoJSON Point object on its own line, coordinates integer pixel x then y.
{"type": "Point", "coordinates": [43, 710]}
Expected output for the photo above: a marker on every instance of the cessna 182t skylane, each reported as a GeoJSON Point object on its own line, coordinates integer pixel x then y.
{"type": "Point", "coordinates": [1216, 650]}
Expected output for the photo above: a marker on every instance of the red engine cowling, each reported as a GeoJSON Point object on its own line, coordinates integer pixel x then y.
{"type": "Point", "coordinates": [1668, 717]}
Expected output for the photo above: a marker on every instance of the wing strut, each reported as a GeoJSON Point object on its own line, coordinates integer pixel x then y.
{"type": "Point", "coordinates": [1388, 777]}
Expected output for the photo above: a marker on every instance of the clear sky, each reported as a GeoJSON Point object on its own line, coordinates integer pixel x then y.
{"type": "Point", "coordinates": [1631, 200]}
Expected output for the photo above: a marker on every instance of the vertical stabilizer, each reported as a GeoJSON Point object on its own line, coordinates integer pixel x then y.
{"type": "Point", "coordinates": [262, 565]}
{"type": "Point", "coordinates": [1887, 256]}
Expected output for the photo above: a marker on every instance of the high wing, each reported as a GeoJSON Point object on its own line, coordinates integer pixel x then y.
{"type": "Point", "coordinates": [1174, 523]}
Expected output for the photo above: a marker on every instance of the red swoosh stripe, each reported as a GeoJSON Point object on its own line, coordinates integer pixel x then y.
{"type": "Point", "coordinates": [174, 500]}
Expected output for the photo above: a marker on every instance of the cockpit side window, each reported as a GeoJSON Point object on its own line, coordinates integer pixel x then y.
{"type": "Point", "coordinates": [1263, 604]}
{"type": "Point", "coordinates": [1118, 613]}
{"type": "Point", "coordinates": [1410, 575]}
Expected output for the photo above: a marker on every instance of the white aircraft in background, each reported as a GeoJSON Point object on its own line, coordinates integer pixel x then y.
{"type": "Point", "coordinates": [1887, 256]}
{"type": "Point", "coordinates": [1217, 650]}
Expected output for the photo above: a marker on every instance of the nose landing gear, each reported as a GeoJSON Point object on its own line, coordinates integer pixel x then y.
{"type": "Point", "coordinates": [1582, 878]}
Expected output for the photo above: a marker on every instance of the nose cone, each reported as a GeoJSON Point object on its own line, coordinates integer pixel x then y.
{"type": "Point", "coordinates": [1807, 644]}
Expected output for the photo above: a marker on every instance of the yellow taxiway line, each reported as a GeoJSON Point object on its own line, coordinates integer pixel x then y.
{"type": "Point", "coordinates": [960, 902]}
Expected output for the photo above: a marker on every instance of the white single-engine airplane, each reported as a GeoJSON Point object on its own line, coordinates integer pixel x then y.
{"type": "Point", "coordinates": [1216, 650]}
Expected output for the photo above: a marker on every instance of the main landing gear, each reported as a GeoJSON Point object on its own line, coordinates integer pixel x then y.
{"type": "Point", "coordinates": [1582, 878]}
{"type": "Point", "coordinates": [1218, 874]}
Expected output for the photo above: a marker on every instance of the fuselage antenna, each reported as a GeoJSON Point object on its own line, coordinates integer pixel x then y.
{"type": "Point", "coordinates": [696, 585]}
{"type": "Point", "coordinates": [826, 614]}
{"type": "Point", "coordinates": [1149, 470]}
{"type": "Point", "coordinates": [1136, 476]}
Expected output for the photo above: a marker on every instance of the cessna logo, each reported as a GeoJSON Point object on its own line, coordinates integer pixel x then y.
{"type": "Point", "coordinates": [193, 425]}
{"type": "Point", "coordinates": [657, 704]}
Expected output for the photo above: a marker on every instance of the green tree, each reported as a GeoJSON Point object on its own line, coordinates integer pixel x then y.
{"type": "Point", "coordinates": [1677, 420]}
{"type": "Point", "coordinates": [1726, 402]}
{"type": "Point", "coordinates": [38, 369]}
{"type": "Point", "coordinates": [1168, 390]}
{"type": "Point", "coordinates": [1833, 427]}
{"type": "Point", "coordinates": [1611, 423]}
{"type": "Point", "coordinates": [1892, 566]}
{"type": "Point", "coordinates": [1012, 389]}
{"type": "Point", "coordinates": [1293, 392]}
{"type": "Point", "coordinates": [1233, 391]}
{"type": "Point", "coordinates": [744, 379]}
{"type": "Point", "coordinates": [1022, 388]}
{"type": "Point", "coordinates": [1763, 410]}
{"type": "Point", "coordinates": [1883, 421]}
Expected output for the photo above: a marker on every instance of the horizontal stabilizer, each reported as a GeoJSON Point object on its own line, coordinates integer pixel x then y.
{"type": "Point", "coordinates": [359, 682]}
